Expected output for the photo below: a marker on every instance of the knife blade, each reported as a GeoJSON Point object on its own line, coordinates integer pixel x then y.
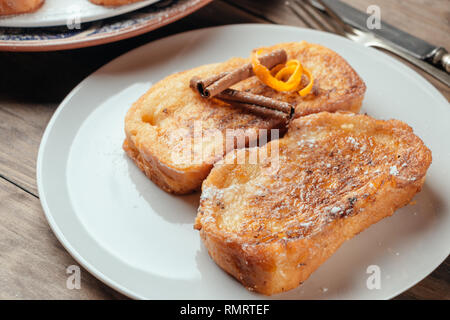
{"type": "Point", "coordinates": [414, 46]}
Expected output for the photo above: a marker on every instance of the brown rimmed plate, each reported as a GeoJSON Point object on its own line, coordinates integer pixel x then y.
{"type": "Point", "coordinates": [99, 32]}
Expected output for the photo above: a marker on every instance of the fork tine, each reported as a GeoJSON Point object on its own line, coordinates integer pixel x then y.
{"type": "Point", "coordinates": [300, 11]}
{"type": "Point", "coordinates": [299, 15]}
{"type": "Point", "coordinates": [311, 15]}
{"type": "Point", "coordinates": [335, 27]}
{"type": "Point", "coordinates": [321, 20]}
{"type": "Point", "coordinates": [343, 27]}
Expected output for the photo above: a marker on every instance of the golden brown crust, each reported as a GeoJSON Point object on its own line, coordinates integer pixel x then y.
{"type": "Point", "coordinates": [338, 174]}
{"type": "Point", "coordinates": [8, 7]}
{"type": "Point", "coordinates": [337, 86]}
{"type": "Point", "coordinates": [113, 2]}
{"type": "Point", "coordinates": [153, 125]}
{"type": "Point", "coordinates": [167, 179]}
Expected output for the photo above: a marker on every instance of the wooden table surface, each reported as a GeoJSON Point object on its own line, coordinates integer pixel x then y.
{"type": "Point", "coordinates": [32, 261]}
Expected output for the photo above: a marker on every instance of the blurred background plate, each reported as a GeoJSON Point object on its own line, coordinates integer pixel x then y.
{"type": "Point", "coordinates": [98, 32]}
{"type": "Point", "coordinates": [60, 12]}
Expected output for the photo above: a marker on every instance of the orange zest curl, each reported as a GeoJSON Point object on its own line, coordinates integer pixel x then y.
{"type": "Point", "coordinates": [292, 71]}
{"type": "Point", "coordinates": [306, 90]}
{"type": "Point", "coordinates": [277, 68]}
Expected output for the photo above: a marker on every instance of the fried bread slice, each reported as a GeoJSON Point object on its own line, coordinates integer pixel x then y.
{"type": "Point", "coordinates": [8, 7]}
{"type": "Point", "coordinates": [154, 125]}
{"type": "Point", "coordinates": [272, 223]}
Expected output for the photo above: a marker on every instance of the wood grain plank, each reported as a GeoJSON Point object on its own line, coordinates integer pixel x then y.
{"type": "Point", "coordinates": [21, 129]}
{"type": "Point", "coordinates": [426, 19]}
{"type": "Point", "coordinates": [32, 261]}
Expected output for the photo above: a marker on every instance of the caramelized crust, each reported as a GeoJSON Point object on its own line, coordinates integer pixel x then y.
{"type": "Point", "coordinates": [154, 124]}
{"type": "Point", "coordinates": [271, 224]}
{"type": "Point", "coordinates": [8, 7]}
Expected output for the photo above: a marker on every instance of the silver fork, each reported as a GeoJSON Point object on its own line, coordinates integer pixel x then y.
{"type": "Point", "coordinates": [314, 18]}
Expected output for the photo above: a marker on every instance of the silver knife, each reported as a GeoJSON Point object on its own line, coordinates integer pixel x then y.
{"type": "Point", "coordinates": [418, 48]}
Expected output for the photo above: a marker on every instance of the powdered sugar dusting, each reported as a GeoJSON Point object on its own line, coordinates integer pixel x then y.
{"type": "Point", "coordinates": [211, 193]}
{"type": "Point", "coordinates": [393, 171]}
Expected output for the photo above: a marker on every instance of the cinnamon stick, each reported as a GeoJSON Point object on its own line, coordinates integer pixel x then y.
{"type": "Point", "coordinates": [258, 100]}
{"type": "Point", "coordinates": [200, 84]}
{"type": "Point", "coordinates": [261, 111]}
{"type": "Point", "coordinates": [218, 86]}
{"type": "Point", "coordinates": [269, 60]}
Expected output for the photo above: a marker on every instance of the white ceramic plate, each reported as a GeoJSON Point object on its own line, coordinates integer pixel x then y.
{"type": "Point", "coordinates": [63, 12]}
{"type": "Point", "coordinates": [140, 240]}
